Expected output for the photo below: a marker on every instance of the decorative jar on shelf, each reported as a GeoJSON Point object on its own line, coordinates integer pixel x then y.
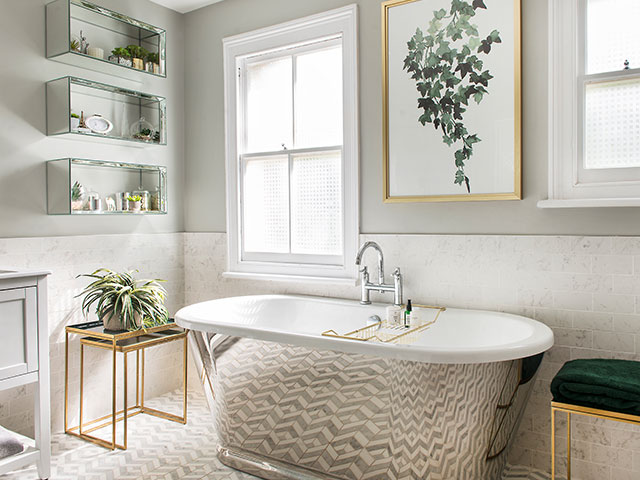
{"type": "Point", "coordinates": [138, 63]}
{"type": "Point", "coordinates": [143, 130]}
{"type": "Point", "coordinates": [134, 204]}
{"type": "Point", "coordinates": [121, 56]}
{"type": "Point", "coordinates": [95, 52]}
{"type": "Point", "coordinates": [122, 201]}
{"type": "Point", "coordinates": [137, 54]}
{"type": "Point", "coordinates": [75, 121]}
{"type": "Point", "coordinates": [152, 64]}
{"type": "Point", "coordinates": [94, 202]}
{"type": "Point", "coordinates": [145, 199]}
{"type": "Point", "coordinates": [155, 200]}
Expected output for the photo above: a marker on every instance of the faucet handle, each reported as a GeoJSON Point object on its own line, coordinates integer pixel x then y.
{"type": "Point", "coordinates": [364, 280]}
{"type": "Point", "coordinates": [364, 274]}
{"type": "Point", "coordinates": [397, 287]}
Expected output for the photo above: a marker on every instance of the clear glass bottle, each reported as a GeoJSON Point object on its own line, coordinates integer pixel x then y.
{"type": "Point", "coordinates": [155, 200]}
{"type": "Point", "coordinates": [94, 202]}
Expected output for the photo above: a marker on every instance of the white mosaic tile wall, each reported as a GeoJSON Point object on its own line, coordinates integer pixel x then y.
{"type": "Point", "coordinates": [154, 255]}
{"type": "Point", "coordinates": [587, 289]}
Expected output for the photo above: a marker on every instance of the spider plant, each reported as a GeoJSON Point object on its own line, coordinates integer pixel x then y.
{"type": "Point", "coordinates": [77, 191]}
{"type": "Point", "coordinates": [123, 302]}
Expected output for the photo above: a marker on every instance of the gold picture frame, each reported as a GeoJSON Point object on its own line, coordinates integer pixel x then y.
{"type": "Point", "coordinates": [516, 193]}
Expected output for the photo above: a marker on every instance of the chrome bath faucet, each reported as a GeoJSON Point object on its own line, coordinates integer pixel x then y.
{"type": "Point", "coordinates": [381, 287]}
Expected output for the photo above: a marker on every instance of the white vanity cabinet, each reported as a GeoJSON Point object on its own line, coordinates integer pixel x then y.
{"type": "Point", "coordinates": [19, 327]}
{"type": "Point", "coordinates": [24, 358]}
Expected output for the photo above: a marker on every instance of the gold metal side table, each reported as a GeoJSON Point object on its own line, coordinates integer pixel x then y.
{"type": "Point", "coordinates": [580, 410]}
{"type": "Point", "coordinates": [94, 335]}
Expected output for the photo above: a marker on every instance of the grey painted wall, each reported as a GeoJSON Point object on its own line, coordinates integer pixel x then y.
{"type": "Point", "coordinates": [24, 146]}
{"type": "Point", "coordinates": [205, 190]}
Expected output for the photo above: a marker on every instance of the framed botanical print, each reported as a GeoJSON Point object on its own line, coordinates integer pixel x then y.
{"type": "Point", "coordinates": [451, 100]}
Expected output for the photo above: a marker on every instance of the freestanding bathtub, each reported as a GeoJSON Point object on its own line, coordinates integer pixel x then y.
{"type": "Point", "coordinates": [290, 403]}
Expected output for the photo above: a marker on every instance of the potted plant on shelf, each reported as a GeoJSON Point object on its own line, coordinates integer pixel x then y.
{"type": "Point", "coordinates": [77, 196]}
{"type": "Point", "coordinates": [121, 56]}
{"type": "Point", "coordinates": [134, 203]}
{"type": "Point", "coordinates": [123, 302]}
{"type": "Point", "coordinates": [143, 130]}
{"type": "Point", "coordinates": [75, 121]}
{"type": "Point", "coordinates": [146, 134]}
{"type": "Point", "coordinates": [137, 54]}
{"type": "Point", "coordinates": [74, 44]}
{"type": "Point", "coordinates": [152, 63]}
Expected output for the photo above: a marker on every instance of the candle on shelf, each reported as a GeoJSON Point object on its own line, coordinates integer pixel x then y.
{"type": "Point", "coordinates": [96, 52]}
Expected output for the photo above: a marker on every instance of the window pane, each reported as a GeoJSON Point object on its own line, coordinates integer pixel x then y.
{"type": "Point", "coordinates": [266, 205]}
{"type": "Point", "coordinates": [316, 203]}
{"type": "Point", "coordinates": [612, 35]}
{"type": "Point", "coordinates": [269, 105]}
{"type": "Point", "coordinates": [318, 103]}
{"type": "Point", "coordinates": [612, 125]}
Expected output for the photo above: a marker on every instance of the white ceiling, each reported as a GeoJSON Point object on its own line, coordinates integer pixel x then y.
{"type": "Point", "coordinates": [184, 6]}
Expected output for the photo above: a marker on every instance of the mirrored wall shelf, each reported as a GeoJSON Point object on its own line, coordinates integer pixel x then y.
{"type": "Point", "coordinates": [77, 186]}
{"type": "Point", "coordinates": [108, 112]}
{"type": "Point", "coordinates": [103, 31]}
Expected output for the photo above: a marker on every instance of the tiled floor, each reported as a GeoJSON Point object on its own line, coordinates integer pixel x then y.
{"type": "Point", "coordinates": [159, 449]}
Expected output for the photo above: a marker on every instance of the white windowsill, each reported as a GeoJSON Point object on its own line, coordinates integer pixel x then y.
{"type": "Point", "coordinates": [589, 203]}
{"type": "Point", "coordinates": [352, 282]}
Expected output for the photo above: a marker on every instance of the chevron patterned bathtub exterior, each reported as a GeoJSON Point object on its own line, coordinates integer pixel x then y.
{"type": "Point", "coordinates": [289, 412]}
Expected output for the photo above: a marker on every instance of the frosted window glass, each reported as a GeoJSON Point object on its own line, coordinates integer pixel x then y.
{"type": "Point", "coordinates": [612, 125]}
{"type": "Point", "coordinates": [316, 204]}
{"type": "Point", "coordinates": [269, 122]}
{"type": "Point", "coordinates": [266, 205]}
{"type": "Point", "coordinates": [613, 35]}
{"type": "Point", "coordinates": [318, 103]}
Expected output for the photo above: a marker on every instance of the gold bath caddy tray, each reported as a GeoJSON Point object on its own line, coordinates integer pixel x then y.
{"type": "Point", "coordinates": [383, 332]}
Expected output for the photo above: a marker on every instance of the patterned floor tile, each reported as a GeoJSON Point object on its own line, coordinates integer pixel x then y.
{"type": "Point", "coordinates": [162, 450]}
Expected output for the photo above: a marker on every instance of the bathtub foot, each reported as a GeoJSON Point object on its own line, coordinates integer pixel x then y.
{"type": "Point", "coordinates": [265, 467]}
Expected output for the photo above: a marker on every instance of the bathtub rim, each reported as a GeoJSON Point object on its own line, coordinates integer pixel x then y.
{"type": "Point", "coordinates": [475, 355]}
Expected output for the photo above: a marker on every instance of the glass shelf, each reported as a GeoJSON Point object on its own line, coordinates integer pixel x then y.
{"type": "Point", "coordinates": [103, 29]}
{"type": "Point", "coordinates": [123, 108]}
{"type": "Point", "coordinates": [111, 182]}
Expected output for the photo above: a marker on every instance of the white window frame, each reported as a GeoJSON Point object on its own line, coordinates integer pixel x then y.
{"type": "Point", "coordinates": [339, 23]}
{"type": "Point", "coordinates": [570, 185]}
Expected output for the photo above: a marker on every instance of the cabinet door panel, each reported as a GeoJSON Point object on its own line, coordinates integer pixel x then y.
{"type": "Point", "coordinates": [19, 332]}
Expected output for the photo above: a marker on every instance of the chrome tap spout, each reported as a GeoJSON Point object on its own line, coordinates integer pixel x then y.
{"type": "Point", "coordinates": [382, 287]}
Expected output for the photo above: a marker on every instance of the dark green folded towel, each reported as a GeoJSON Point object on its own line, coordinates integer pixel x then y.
{"type": "Point", "coordinates": [599, 383]}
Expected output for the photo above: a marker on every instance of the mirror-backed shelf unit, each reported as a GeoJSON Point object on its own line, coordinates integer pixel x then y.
{"type": "Point", "coordinates": [134, 117]}
{"type": "Point", "coordinates": [74, 183]}
{"type": "Point", "coordinates": [104, 30]}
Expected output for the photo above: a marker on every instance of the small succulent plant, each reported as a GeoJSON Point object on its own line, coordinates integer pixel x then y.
{"type": "Point", "coordinates": [147, 134]}
{"type": "Point", "coordinates": [134, 198]}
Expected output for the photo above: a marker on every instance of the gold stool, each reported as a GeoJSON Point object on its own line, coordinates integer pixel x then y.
{"type": "Point", "coordinates": [121, 342]}
{"type": "Point", "coordinates": [579, 410]}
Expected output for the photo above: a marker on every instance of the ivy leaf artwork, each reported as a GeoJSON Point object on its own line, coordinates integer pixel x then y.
{"type": "Point", "coordinates": [446, 64]}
